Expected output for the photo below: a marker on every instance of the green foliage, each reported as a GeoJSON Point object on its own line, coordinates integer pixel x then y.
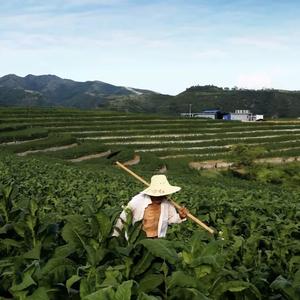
{"type": "Point", "coordinates": [23, 134]}
{"type": "Point", "coordinates": [56, 239]}
{"type": "Point", "coordinates": [56, 219]}
{"type": "Point", "coordinates": [244, 155]}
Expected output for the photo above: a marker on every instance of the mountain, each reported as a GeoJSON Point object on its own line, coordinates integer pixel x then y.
{"type": "Point", "coordinates": [270, 102]}
{"type": "Point", "coordinates": [50, 90]}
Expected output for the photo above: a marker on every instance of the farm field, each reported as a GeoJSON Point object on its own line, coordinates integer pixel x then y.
{"type": "Point", "coordinates": [57, 214]}
{"type": "Point", "coordinates": [34, 131]}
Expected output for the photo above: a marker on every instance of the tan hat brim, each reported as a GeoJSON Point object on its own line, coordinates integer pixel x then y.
{"type": "Point", "coordinates": [150, 191]}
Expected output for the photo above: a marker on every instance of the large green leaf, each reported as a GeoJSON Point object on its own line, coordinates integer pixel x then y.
{"type": "Point", "coordinates": [234, 286]}
{"type": "Point", "coordinates": [78, 224]}
{"type": "Point", "coordinates": [11, 243]}
{"type": "Point", "coordinates": [150, 282]}
{"type": "Point", "coordinates": [124, 291]}
{"type": "Point", "coordinates": [143, 264]}
{"type": "Point", "coordinates": [64, 250]}
{"type": "Point", "coordinates": [26, 282]}
{"type": "Point", "coordinates": [39, 294]}
{"type": "Point", "coordinates": [179, 278]}
{"type": "Point", "coordinates": [296, 282]}
{"type": "Point", "coordinates": [35, 252]}
{"type": "Point", "coordinates": [285, 286]}
{"type": "Point", "coordinates": [187, 293]}
{"type": "Point", "coordinates": [161, 248]}
{"type": "Point", "coordinates": [104, 224]}
{"type": "Point", "coordinates": [71, 281]}
{"type": "Point", "coordinates": [103, 294]}
{"type": "Point", "coordinates": [144, 296]}
{"type": "Point", "coordinates": [59, 269]}
{"type": "Point", "coordinates": [94, 256]}
{"type": "Point", "coordinates": [71, 236]}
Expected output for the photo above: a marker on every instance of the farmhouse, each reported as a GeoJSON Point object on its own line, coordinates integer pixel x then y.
{"type": "Point", "coordinates": [208, 114]}
{"type": "Point", "coordinates": [243, 115]}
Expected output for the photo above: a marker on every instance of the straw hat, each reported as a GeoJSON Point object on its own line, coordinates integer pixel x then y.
{"type": "Point", "coordinates": [160, 187]}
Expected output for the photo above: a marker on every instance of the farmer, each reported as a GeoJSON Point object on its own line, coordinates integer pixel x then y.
{"type": "Point", "coordinates": [152, 207]}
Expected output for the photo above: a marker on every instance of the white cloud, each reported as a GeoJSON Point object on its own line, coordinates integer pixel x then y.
{"type": "Point", "coordinates": [210, 54]}
{"type": "Point", "coordinates": [263, 42]}
{"type": "Point", "coordinates": [255, 81]}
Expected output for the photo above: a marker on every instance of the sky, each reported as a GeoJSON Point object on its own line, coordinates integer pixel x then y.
{"type": "Point", "coordinates": [165, 46]}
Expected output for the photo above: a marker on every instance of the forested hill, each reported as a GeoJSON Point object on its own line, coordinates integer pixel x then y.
{"type": "Point", "coordinates": [50, 90]}
{"type": "Point", "coordinates": [277, 103]}
{"type": "Point", "coordinates": [272, 103]}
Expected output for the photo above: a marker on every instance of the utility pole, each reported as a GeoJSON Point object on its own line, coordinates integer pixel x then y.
{"type": "Point", "coordinates": [190, 110]}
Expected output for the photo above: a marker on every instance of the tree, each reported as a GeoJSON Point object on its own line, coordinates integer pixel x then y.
{"type": "Point", "coordinates": [243, 155]}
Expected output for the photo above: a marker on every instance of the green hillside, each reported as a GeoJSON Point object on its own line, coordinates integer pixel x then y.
{"type": "Point", "coordinates": [52, 91]}
{"type": "Point", "coordinates": [271, 103]}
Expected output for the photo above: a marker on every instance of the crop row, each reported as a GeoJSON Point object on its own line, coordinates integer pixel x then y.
{"type": "Point", "coordinates": [83, 148]}
{"type": "Point", "coordinates": [51, 141]}
{"type": "Point", "coordinates": [271, 149]}
{"type": "Point", "coordinates": [76, 118]}
{"type": "Point", "coordinates": [76, 121]}
{"type": "Point", "coordinates": [148, 139]}
{"type": "Point", "coordinates": [22, 135]}
{"type": "Point", "coordinates": [118, 131]}
{"type": "Point", "coordinates": [161, 149]}
{"type": "Point", "coordinates": [35, 112]}
{"type": "Point", "coordinates": [11, 127]}
{"type": "Point", "coordinates": [196, 139]}
{"type": "Point", "coordinates": [131, 133]}
{"type": "Point", "coordinates": [205, 149]}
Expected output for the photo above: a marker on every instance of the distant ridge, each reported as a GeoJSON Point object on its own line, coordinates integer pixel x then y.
{"type": "Point", "coordinates": [51, 90]}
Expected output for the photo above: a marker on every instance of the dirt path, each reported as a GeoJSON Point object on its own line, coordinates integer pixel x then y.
{"type": "Point", "coordinates": [209, 164]}
{"type": "Point", "coordinates": [52, 149]}
{"type": "Point", "coordinates": [175, 135]}
{"type": "Point", "coordinates": [221, 164]}
{"type": "Point", "coordinates": [219, 147]}
{"type": "Point", "coordinates": [136, 159]}
{"type": "Point", "coordinates": [23, 142]}
{"type": "Point", "coordinates": [195, 141]}
{"type": "Point", "coordinates": [91, 156]}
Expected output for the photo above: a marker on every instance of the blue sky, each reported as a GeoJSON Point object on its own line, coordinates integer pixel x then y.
{"type": "Point", "coordinates": [165, 46]}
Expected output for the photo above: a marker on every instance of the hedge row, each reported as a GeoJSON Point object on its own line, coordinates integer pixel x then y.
{"type": "Point", "coordinates": [23, 135]}
{"type": "Point", "coordinates": [53, 140]}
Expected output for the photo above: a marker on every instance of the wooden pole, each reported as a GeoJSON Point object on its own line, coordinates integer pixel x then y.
{"type": "Point", "coordinates": [196, 220]}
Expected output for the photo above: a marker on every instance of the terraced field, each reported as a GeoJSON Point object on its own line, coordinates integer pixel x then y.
{"type": "Point", "coordinates": [97, 136]}
{"type": "Point", "coordinates": [60, 196]}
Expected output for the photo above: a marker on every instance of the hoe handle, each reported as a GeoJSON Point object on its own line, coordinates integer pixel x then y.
{"type": "Point", "coordinates": [173, 202]}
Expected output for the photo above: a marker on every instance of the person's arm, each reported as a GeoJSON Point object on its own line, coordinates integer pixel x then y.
{"type": "Point", "coordinates": [176, 217]}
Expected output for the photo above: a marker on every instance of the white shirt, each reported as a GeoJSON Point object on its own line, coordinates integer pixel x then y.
{"type": "Point", "coordinates": [138, 204]}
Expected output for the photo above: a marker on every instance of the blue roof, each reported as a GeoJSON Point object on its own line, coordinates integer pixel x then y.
{"type": "Point", "coordinates": [211, 110]}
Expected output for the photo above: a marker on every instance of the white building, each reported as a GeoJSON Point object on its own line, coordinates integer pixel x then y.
{"type": "Point", "coordinates": [244, 115]}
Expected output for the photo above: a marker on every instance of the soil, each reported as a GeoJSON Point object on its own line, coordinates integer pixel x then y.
{"type": "Point", "coordinates": [136, 159]}
{"type": "Point", "coordinates": [91, 156]}
{"type": "Point", "coordinates": [52, 149]}
{"type": "Point", "coordinates": [220, 164]}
